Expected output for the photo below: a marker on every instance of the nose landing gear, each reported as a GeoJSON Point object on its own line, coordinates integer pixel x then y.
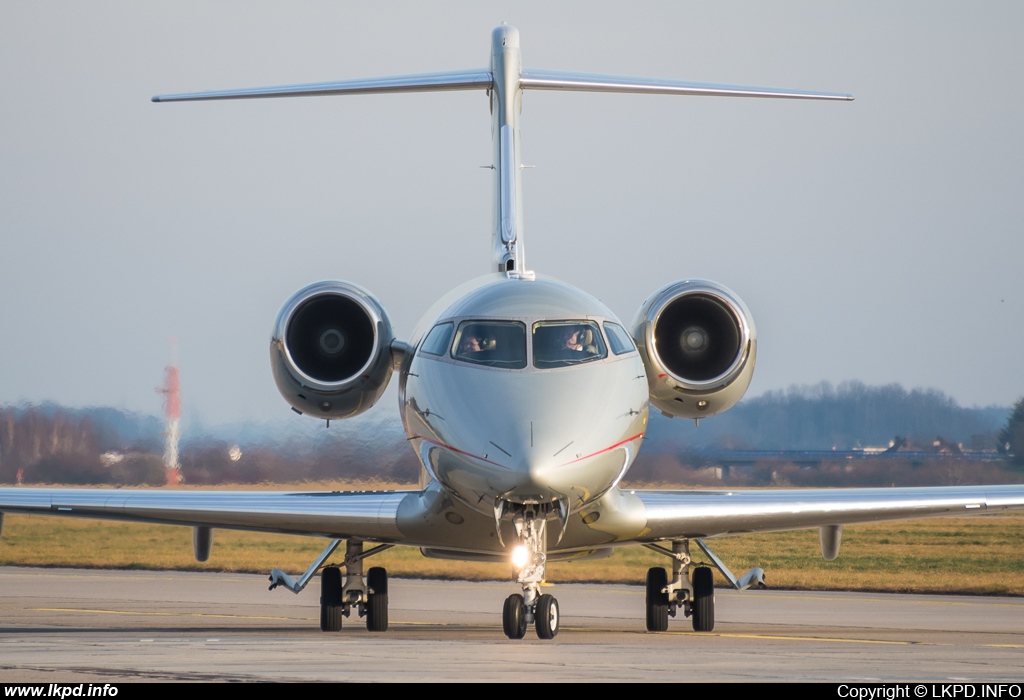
{"type": "Point", "coordinates": [530, 558]}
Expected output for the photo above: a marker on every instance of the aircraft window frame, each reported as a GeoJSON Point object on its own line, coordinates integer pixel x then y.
{"type": "Point", "coordinates": [611, 330]}
{"type": "Point", "coordinates": [432, 344]}
{"type": "Point", "coordinates": [488, 356]}
{"type": "Point", "coordinates": [561, 355]}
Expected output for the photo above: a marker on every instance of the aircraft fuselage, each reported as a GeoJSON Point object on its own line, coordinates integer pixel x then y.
{"type": "Point", "coordinates": [528, 418]}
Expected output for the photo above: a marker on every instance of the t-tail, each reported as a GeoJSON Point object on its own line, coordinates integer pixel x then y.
{"type": "Point", "coordinates": [504, 81]}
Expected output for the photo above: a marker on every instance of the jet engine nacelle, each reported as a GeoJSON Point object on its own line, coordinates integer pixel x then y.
{"type": "Point", "coordinates": [698, 344]}
{"type": "Point", "coordinates": [331, 350]}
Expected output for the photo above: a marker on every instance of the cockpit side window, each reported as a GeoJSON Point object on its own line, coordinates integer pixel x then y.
{"type": "Point", "coordinates": [618, 338]}
{"type": "Point", "coordinates": [438, 340]}
{"type": "Point", "coordinates": [491, 343]}
{"type": "Point", "coordinates": [564, 343]}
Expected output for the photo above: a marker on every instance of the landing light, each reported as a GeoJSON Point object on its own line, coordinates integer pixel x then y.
{"type": "Point", "coordinates": [520, 556]}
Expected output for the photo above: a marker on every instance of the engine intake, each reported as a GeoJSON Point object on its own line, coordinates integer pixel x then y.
{"type": "Point", "coordinates": [698, 344]}
{"type": "Point", "coordinates": [331, 350]}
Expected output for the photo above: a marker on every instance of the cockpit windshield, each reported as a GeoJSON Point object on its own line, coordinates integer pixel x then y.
{"type": "Point", "coordinates": [492, 343]}
{"type": "Point", "coordinates": [564, 343]}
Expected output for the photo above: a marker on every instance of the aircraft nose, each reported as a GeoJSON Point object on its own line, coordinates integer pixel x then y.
{"type": "Point", "coordinates": [570, 453]}
{"type": "Point", "coordinates": [536, 480]}
{"type": "Point", "coordinates": [564, 434]}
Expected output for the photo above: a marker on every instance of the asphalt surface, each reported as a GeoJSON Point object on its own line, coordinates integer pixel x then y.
{"type": "Point", "coordinates": [71, 625]}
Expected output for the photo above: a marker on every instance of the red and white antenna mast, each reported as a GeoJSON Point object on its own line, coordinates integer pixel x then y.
{"type": "Point", "coordinates": [172, 413]}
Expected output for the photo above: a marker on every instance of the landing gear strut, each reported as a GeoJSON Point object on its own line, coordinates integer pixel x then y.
{"type": "Point", "coordinates": [530, 559]}
{"type": "Point", "coordinates": [340, 593]}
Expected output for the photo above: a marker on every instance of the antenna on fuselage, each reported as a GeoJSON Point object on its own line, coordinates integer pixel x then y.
{"type": "Point", "coordinates": [504, 82]}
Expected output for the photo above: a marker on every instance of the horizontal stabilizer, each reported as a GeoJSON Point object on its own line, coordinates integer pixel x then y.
{"type": "Point", "coordinates": [594, 82]}
{"type": "Point", "coordinates": [482, 79]}
{"type": "Point", "coordinates": [420, 82]}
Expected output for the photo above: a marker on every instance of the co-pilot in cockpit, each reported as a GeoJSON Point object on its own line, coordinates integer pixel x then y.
{"type": "Point", "coordinates": [563, 343]}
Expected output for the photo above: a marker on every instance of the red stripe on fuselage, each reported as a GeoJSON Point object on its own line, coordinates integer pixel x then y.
{"type": "Point", "coordinates": [458, 451]}
{"type": "Point", "coordinates": [607, 449]}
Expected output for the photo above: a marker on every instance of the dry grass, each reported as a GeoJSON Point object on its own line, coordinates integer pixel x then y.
{"type": "Point", "coordinates": [945, 555]}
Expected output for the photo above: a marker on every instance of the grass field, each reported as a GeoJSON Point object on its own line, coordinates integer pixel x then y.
{"type": "Point", "coordinates": [980, 555]}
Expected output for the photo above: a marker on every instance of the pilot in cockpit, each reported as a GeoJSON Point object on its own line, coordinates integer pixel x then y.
{"type": "Point", "coordinates": [572, 338]}
{"type": "Point", "coordinates": [578, 339]}
{"type": "Point", "coordinates": [472, 344]}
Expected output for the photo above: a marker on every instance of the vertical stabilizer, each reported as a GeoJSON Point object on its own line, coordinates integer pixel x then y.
{"type": "Point", "coordinates": [506, 105]}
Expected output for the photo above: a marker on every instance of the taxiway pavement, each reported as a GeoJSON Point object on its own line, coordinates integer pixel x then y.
{"type": "Point", "coordinates": [73, 625]}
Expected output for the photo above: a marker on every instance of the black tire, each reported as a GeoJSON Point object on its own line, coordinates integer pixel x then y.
{"type": "Point", "coordinates": [546, 617]}
{"type": "Point", "coordinates": [703, 606]}
{"type": "Point", "coordinates": [377, 599]}
{"type": "Point", "coordinates": [331, 610]}
{"type": "Point", "coordinates": [513, 617]}
{"type": "Point", "coordinates": [657, 600]}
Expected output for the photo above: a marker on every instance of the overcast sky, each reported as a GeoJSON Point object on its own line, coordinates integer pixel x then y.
{"type": "Point", "coordinates": [878, 240]}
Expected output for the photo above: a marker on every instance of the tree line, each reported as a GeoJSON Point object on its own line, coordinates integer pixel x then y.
{"type": "Point", "coordinates": [848, 416]}
{"type": "Point", "coordinates": [50, 444]}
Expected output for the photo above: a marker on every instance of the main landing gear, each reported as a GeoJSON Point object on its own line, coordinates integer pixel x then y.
{"type": "Point", "coordinates": [341, 594]}
{"type": "Point", "coordinates": [693, 591]}
{"type": "Point", "coordinates": [530, 557]}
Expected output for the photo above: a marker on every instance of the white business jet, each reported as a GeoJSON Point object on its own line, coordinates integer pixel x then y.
{"type": "Point", "coordinates": [526, 401]}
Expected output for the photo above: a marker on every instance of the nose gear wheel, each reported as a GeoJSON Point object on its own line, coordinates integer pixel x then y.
{"type": "Point", "coordinates": [513, 617]}
{"type": "Point", "coordinates": [546, 617]}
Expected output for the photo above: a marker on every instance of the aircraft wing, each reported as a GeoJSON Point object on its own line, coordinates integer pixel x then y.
{"type": "Point", "coordinates": [652, 515]}
{"type": "Point", "coordinates": [696, 514]}
{"type": "Point", "coordinates": [370, 515]}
